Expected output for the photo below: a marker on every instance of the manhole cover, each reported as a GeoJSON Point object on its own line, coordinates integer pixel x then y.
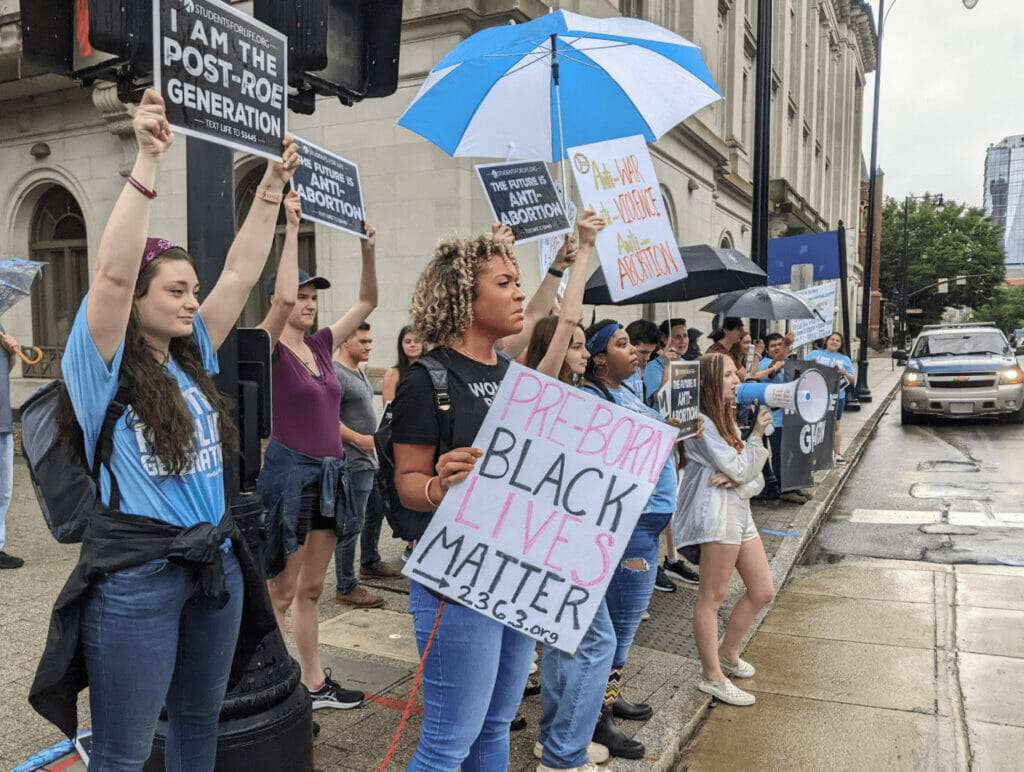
{"type": "Point", "coordinates": [948, 466]}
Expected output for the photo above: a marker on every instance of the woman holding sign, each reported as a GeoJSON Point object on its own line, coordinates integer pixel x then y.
{"type": "Point", "coordinates": [612, 361]}
{"type": "Point", "coordinates": [466, 301]}
{"type": "Point", "coordinates": [721, 474]}
{"type": "Point", "coordinates": [832, 356]}
{"type": "Point", "coordinates": [165, 577]}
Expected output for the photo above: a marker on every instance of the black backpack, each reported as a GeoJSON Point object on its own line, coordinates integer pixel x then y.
{"type": "Point", "coordinates": [407, 524]}
{"type": "Point", "coordinates": [67, 488]}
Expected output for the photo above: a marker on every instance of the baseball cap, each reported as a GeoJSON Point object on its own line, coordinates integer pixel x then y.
{"type": "Point", "coordinates": [304, 278]}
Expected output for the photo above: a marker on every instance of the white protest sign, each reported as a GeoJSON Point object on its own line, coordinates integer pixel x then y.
{"type": "Point", "coordinates": [637, 248]}
{"type": "Point", "coordinates": [531, 538]}
{"type": "Point", "coordinates": [822, 299]}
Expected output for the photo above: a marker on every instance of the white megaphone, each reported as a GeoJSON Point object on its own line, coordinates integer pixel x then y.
{"type": "Point", "coordinates": [808, 395]}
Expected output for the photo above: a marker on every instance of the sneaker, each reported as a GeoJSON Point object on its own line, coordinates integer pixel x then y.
{"type": "Point", "coordinates": [331, 695]}
{"type": "Point", "coordinates": [725, 691]}
{"type": "Point", "coordinates": [407, 554]}
{"type": "Point", "coordinates": [808, 494]}
{"type": "Point", "coordinates": [839, 458]}
{"type": "Point", "coordinates": [662, 583]}
{"type": "Point", "coordinates": [645, 615]}
{"type": "Point", "coordinates": [596, 754]}
{"type": "Point", "coordinates": [738, 669]}
{"type": "Point", "coordinates": [588, 767]}
{"type": "Point", "coordinates": [518, 723]}
{"type": "Point", "coordinates": [360, 597]}
{"type": "Point", "coordinates": [378, 570]}
{"type": "Point", "coordinates": [792, 497]}
{"type": "Point", "coordinates": [677, 569]}
{"type": "Point", "coordinates": [9, 561]}
{"type": "Point", "coordinates": [532, 688]}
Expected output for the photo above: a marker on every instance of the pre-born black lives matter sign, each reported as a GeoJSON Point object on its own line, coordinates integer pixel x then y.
{"type": "Point", "coordinates": [532, 537]}
{"type": "Point", "coordinates": [329, 188]}
{"type": "Point", "coordinates": [222, 74]}
{"type": "Point", "coordinates": [523, 197]}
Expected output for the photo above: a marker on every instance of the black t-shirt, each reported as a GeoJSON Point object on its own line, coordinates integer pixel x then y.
{"type": "Point", "coordinates": [472, 387]}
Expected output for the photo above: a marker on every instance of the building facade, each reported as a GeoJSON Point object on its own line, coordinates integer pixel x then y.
{"type": "Point", "coordinates": [64, 152]}
{"type": "Point", "coordinates": [1004, 197]}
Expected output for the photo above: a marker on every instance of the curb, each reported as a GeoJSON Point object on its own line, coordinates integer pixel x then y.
{"type": "Point", "coordinates": [668, 738]}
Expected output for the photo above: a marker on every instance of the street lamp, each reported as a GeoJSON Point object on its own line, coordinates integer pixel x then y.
{"type": "Point", "coordinates": [939, 203]}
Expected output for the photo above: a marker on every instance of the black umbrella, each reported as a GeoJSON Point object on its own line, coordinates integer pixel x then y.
{"type": "Point", "coordinates": [761, 303]}
{"type": "Point", "coordinates": [710, 270]}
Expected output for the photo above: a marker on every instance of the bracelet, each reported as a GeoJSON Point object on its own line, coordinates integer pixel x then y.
{"type": "Point", "coordinates": [147, 192]}
{"type": "Point", "coordinates": [426, 492]}
{"type": "Point", "coordinates": [556, 273]}
{"type": "Point", "coordinates": [268, 195]}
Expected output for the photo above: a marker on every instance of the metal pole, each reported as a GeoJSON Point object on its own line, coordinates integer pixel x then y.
{"type": "Point", "coordinates": [762, 134]}
{"type": "Point", "coordinates": [904, 260]}
{"type": "Point", "coordinates": [863, 391]}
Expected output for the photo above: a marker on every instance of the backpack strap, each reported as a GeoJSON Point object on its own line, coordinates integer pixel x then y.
{"type": "Point", "coordinates": [442, 400]}
{"type": "Point", "coordinates": [105, 442]}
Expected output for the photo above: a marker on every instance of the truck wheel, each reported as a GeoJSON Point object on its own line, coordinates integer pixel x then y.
{"type": "Point", "coordinates": [907, 418]}
{"type": "Point", "coordinates": [1016, 417]}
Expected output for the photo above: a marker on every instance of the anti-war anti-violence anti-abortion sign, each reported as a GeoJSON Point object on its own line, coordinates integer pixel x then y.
{"type": "Point", "coordinates": [329, 188]}
{"type": "Point", "coordinates": [637, 247]}
{"type": "Point", "coordinates": [522, 195]}
{"type": "Point", "coordinates": [532, 536]}
{"type": "Point", "coordinates": [223, 74]}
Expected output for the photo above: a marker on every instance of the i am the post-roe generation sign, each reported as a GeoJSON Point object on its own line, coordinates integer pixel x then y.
{"type": "Point", "coordinates": [531, 538]}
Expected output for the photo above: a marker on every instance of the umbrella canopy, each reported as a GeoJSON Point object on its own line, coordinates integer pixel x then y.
{"type": "Point", "coordinates": [710, 270]}
{"type": "Point", "coordinates": [761, 303]}
{"type": "Point", "coordinates": [16, 277]}
{"type": "Point", "coordinates": [532, 90]}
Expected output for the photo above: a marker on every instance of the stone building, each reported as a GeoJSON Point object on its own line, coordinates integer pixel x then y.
{"type": "Point", "coordinates": [64, 151]}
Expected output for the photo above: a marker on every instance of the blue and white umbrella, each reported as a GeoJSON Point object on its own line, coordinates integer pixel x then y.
{"type": "Point", "coordinates": [532, 90]}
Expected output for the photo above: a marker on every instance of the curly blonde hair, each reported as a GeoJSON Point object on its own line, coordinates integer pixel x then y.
{"type": "Point", "coordinates": [442, 303]}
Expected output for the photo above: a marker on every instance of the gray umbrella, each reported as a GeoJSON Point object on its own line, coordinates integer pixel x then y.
{"type": "Point", "coordinates": [761, 303]}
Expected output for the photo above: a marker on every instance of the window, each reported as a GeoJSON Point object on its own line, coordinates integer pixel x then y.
{"type": "Point", "coordinates": [746, 122]}
{"type": "Point", "coordinates": [58, 239]}
{"type": "Point", "coordinates": [258, 304]}
{"type": "Point", "coordinates": [726, 241]}
{"type": "Point", "coordinates": [670, 209]}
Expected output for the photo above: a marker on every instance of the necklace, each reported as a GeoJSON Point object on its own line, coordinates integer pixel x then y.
{"type": "Point", "coordinates": [307, 365]}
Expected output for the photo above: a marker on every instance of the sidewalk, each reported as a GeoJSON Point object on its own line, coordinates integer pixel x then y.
{"type": "Point", "coordinates": [375, 650]}
{"type": "Point", "coordinates": [879, 664]}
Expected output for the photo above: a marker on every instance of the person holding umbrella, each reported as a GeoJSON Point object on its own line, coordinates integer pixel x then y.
{"type": "Point", "coordinates": [726, 339]}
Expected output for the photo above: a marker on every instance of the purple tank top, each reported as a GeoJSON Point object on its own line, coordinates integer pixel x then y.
{"type": "Point", "coordinates": [306, 407]}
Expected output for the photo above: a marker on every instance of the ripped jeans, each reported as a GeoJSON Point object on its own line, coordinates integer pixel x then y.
{"type": "Point", "coordinates": [629, 591]}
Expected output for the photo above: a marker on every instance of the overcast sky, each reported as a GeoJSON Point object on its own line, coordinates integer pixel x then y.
{"type": "Point", "coordinates": [952, 83]}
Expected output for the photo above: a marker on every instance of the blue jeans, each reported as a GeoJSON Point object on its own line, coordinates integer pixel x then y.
{"type": "Point", "coordinates": [349, 525]}
{"type": "Point", "coordinates": [6, 481]}
{"type": "Point", "coordinates": [572, 692]}
{"type": "Point", "coordinates": [473, 683]}
{"type": "Point", "coordinates": [369, 539]}
{"type": "Point", "coordinates": [147, 644]}
{"type": "Point", "coordinates": [629, 591]}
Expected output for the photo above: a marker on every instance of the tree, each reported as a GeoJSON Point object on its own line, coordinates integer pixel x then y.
{"type": "Point", "coordinates": [956, 241]}
{"type": "Point", "coordinates": [1006, 309]}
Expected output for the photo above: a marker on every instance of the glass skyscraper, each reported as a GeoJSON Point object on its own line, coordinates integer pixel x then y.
{"type": "Point", "coordinates": [1004, 195]}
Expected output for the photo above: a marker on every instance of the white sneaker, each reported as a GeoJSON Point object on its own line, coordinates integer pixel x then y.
{"type": "Point", "coordinates": [726, 691]}
{"type": "Point", "coordinates": [596, 754]}
{"type": "Point", "coordinates": [588, 767]}
{"type": "Point", "coordinates": [738, 669]}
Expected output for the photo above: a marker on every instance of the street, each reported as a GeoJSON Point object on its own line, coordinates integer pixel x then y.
{"type": "Point", "coordinates": [897, 643]}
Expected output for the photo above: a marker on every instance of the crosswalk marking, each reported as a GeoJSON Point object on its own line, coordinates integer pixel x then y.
{"type": "Point", "coordinates": [931, 517]}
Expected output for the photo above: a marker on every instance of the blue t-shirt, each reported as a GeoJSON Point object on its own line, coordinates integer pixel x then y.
{"type": "Point", "coordinates": [146, 489]}
{"type": "Point", "coordinates": [653, 374]}
{"type": "Point", "coordinates": [833, 359]}
{"type": "Point", "coordinates": [780, 377]}
{"type": "Point", "coordinates": [663, 497]}
{"type": "Point", "coordinates": [635, 382]}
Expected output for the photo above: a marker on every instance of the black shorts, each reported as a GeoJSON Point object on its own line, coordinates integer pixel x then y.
{"type": "Point", "coordinates": [310, 518]}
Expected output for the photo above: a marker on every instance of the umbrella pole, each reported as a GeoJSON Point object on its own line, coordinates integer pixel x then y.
{"type": "Point", "coordinates": [561, 134]}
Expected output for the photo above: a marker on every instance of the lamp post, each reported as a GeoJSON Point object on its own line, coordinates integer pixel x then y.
{"type": "Point", "coordinates": [939, 204]}
{"type": "Point", "coordinates": [762, 118]}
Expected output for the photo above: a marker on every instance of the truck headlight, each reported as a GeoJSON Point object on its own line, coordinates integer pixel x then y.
{"type": "Point", "coordinates": [910, 378]}
{"type": "Point", "coordinates": [1011, 376]}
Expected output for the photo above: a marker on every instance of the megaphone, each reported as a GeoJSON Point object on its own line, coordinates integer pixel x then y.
{"type": "Point", "coordinates": [808, 395]}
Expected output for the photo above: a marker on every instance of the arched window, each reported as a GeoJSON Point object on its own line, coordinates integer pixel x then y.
{"type": "Point", "coordinates": [726, 241]}
{"type": "Point", "coordinates": [258, 304]}
{"type": "Point", "coordinates": [58, 239]}
{"type": "Point", "coordinates": [670, 208]}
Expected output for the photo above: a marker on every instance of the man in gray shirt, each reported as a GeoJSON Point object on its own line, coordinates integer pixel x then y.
{"type": "Point", "coordinates": [8, 350]}
{"type": "Point", "coordinates": [358, 423]}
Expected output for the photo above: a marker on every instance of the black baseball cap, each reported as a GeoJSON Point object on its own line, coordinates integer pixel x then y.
{"type": "Point", "coordinates": [304, 278]}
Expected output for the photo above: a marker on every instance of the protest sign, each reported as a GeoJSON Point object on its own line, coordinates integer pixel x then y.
{"type": "Point", "coordinates": [329, 188]}
{"type": "Point", "coordinates": [532, 537]}
{"type": "Point", "coordinates": [522, 195]}
{"type": "Point", "coordinates": [637, 247]}
{"type": "Point", "coordinates": [807, 447]}
{"type": "Point", "coordinates": [822, 299]}
{"type": "Point", "coordinates": [679, 398]}
{"type": "Point", "coordinates": [223, 74]}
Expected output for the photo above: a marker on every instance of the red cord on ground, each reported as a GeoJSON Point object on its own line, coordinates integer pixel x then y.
{"type": "Point", "coordinates": [412, 694]}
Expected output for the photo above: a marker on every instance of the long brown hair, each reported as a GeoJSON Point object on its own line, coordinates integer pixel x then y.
{"type": "Point", "coordinates": [540, 341]}
{"type": "Point", "coordinates": [713, 401]}
{"type": "Point", "coordinates": [157, 402]}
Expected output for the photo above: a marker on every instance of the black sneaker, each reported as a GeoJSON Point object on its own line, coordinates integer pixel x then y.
{"type": "Point", "coordinates": [9, 561]}
{"type": "Point", "coordinates": [678, 569]}
{"type": "Point", "coordinates": [331, 695]}
{"type": "Point", "coordinates": [662, 583]}
{"type": "Point", "coordinates": [532, 685]}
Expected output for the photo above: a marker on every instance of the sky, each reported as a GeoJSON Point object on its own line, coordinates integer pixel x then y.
{"type": "Point", "coordinates": [952, 84]}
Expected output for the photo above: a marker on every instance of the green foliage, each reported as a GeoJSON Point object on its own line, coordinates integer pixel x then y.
{"type": "Point", "coordinates": [1005, 309]}
{"type": "Point", "coordinates": [955, 241]}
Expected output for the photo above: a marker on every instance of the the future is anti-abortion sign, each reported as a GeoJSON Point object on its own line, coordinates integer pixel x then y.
{"type": "Point", "coordinates": [531, 538]}
{"type": "Point", "coordinates": [329, 188]}
{"type": "Point", "coordinates": [637, 247]}
{"type": "Point", "coordinates": [522, 196]}
{"type": "Point", "coordinates": [223, 74]}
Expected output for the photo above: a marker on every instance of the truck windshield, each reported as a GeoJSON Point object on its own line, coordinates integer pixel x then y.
{"type": "Point", "coordinates": [960, 344]}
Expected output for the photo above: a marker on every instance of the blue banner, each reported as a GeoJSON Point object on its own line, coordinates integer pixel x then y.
{"type": "Point", "coordinates": [819, 249]}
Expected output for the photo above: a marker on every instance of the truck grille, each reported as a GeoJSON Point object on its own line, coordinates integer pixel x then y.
{"type": "Point", "coordinates": [962, 381]}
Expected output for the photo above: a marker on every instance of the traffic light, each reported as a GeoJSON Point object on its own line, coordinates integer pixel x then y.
{"type": "Point", "coordinates": [343, 48]}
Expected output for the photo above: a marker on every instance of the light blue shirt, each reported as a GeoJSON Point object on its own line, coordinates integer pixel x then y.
{"type": "Point", "coordinates": [780, 377]}
{"type": "Point", "coordinates": [834, 359]}
{"type": "Point", "coordinates": [653, 374]}
{"type": "Point", "coordinates": [145, 488]}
